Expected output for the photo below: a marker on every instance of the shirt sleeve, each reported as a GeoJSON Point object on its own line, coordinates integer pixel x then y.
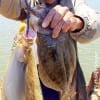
{"type": "Point", "coordinates": [91, 29]}
{"type": "Point", "coordinates": [11, 8]}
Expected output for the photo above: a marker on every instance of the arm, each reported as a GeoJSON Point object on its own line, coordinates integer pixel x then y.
{"type": "Point", "coordinates": [14, 9]}
{"type": "Point", "coordinates": [90, 85]}
{"type": "Point", "coordinates": [91, 29]}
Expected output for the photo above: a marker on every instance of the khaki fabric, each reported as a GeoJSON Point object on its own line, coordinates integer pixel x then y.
{"type": "Point", "coordinates": [11, 8]}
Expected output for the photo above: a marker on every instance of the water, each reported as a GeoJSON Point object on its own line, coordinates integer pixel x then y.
{"type": "Point", "coordinates": [8, 29]}
{"type": "Point", "coordinates": [89, 54]}
{"type": "Point", "coordinates": [89, 57]}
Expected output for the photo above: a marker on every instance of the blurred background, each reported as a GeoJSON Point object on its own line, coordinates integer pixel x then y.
{"type": "Point", "coordinates": [89, 54]}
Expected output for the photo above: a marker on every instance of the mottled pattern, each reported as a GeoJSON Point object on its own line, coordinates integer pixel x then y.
{"type": "Point", "coordinates": [57, 58]}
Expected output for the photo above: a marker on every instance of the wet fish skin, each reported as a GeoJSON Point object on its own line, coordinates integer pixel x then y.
{"type": "Point", "coordinates": [57, 57]}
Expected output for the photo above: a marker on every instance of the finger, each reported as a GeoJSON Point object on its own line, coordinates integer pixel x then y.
{"type": "Point", "coordinates": [67, 21]}
{"type": "Point", "coordinates": [59, 15]}
{"type": "Point", "coordinates": [66, 26]}
{"type": "Point", "coordinates": [48, 18]}
{"type": "Point", "coordinates": [74, 25]}
{"type": "Point", "coordinates": [77, 24]}
{"type": "Point", "coordinates": [57, 29]}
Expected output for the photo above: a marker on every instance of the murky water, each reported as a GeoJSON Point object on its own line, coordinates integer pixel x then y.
{"type": "Point", "coordinates": [89, 54]}
{"type": "Point", "coordinates": [7, 32]}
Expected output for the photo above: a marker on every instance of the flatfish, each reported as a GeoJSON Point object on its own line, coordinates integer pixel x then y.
{"type": "Point", "coordinates": [57, 57]}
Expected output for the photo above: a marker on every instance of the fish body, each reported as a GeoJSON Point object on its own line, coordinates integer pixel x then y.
{"type": "Point", "coordinates": [57, 61]}
{"type": "Point", "coordinates": [57, 57]}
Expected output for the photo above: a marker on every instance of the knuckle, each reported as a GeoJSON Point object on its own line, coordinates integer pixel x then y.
{"type": "Point", "coordinates": [57, 6]}
{"type": "Point", "coordinates": [70, 13]}
{"type": "Point", "coordinates": [66, 8]}
{"type": "Point", "coordinates": [51, 12]}
{"type": "Point", "coordinates": [65, 27]}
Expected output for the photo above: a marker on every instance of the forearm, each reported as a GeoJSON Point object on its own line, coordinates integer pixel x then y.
{"type": "Point", "coordinates": [11, 8]}
{"type": "Point", "coordinates": [91, 29]}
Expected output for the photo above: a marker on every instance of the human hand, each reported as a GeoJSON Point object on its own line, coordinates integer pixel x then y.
{"type": "Point", "coordinates": [62, 19]}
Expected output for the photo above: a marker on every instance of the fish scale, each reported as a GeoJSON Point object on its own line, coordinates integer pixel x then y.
{"type": "Point", "coordinates": [57, 57]}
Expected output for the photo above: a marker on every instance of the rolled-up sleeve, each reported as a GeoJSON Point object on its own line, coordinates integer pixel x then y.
{"type": "Point", "coordinates": [11, 8]}
{"type": "Point", "coordinates": [91, 19]}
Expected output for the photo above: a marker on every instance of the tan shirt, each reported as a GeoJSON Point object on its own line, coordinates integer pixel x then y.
{"type": "Point", "coordinates": [91, 30]}
{"type": "Point", "coordinates": [11, 8]}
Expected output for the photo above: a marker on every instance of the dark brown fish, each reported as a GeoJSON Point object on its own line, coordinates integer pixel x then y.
{"type": "Point", "coordinates": [57, 57]}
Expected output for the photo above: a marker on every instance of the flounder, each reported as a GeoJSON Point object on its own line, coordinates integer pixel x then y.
{"type": "Point", "coordinates": [57, 57]}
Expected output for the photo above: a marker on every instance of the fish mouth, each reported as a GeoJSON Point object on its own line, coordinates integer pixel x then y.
{"type": "Point", "coordinates": [32, 32]}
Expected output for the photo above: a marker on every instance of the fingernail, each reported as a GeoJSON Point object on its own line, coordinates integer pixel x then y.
{"type": "Point", "coordinates": [44, 25]}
